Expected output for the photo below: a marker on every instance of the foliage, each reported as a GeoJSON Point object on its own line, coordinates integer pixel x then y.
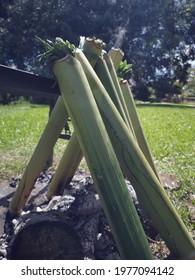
{"type": "Point", "coordinates": [7, 98]}
{"type": "Point", "coordinates": [124, 69]}
{"type": "Point", "coordinates": [157, 37]}
{"type": "Point", "coordinates": [159, 45]}
{"type": "Point", "coordinates": [142, 92]}
{"type": "Point", "coordinates": [189, 89]}
{"type": "Point", "coordinates": [55, 50]}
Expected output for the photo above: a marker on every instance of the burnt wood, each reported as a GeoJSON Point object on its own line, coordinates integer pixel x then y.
{"type": "Point", "coordinates": [45, 236]}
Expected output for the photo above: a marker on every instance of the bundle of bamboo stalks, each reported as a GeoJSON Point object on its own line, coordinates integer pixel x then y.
{"type": "Point", "coordinates": [108, 133]}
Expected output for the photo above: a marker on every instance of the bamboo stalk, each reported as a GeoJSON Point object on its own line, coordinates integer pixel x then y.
{"type": "Point", "coordinates": [73, 154]}
{"type": "Point", "coordinates": [67, 167]}
{"type": "Point", "coordinates": [118, 89]}
{"type": "Point", "coordinates": [137, 124]}
{"type": "Point", "coordinates": [43, 150]}
{"type": "Point", "coordinates": [116, 56]}
{"type": "Point", "coordinates": [92, 50]}
{"type": "Point", "coordinates": [103, 73]}
{"type": "Point", "coordinates": [150, 192]}
{"type": "Point", "coordinates": [95, 144]}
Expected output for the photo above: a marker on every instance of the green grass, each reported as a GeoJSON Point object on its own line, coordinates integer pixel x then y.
{"type": "Point", "coordinates": [169, 130]}
{"type": "Point", "coordinates": [20, 129]}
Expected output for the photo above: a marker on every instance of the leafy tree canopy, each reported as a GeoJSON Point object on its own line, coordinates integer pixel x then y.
{"type": "Point", "coordinates": [158, 37]}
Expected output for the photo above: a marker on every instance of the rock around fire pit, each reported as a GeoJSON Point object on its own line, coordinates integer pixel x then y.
{"type": "Point", "coordinates": [70, 226]}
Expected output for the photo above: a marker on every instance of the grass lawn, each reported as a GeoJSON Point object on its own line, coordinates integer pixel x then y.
{"type": "Point", "coordinates": [169, 130]}
{"type": "Point", "coordinates": [21, 126]}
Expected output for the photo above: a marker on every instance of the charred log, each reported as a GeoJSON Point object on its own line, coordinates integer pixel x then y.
{"type": "Point", "coordinates": [45, 236]}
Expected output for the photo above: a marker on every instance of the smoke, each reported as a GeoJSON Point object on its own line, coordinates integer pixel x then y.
{"type": "Point", "coordinates": [119, 37]}
{"type": "Point", "coordinates": [111, 1]}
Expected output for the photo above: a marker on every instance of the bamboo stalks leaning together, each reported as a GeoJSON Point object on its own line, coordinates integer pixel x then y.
{"type": "Point", "coordinates": [108, 133]}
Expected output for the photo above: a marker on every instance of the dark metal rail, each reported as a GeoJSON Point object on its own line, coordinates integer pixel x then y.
{"type": "Point", "coordinates": [24, 83]}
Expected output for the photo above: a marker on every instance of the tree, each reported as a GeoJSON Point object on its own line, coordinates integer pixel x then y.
{"type": "Point", "coordinates": [156, 36]}
{"type": "Point", "coordinates": [50, 19]}
{"type": "Point", "coordinates": [4, 7]}
{"type": "Point", "coordinates": [159, 42]}
{"type": "Point", "coordinates": [189, 88]}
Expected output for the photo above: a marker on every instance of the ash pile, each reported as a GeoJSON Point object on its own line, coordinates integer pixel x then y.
{"type": "Point", "coordinates": [70, 226]}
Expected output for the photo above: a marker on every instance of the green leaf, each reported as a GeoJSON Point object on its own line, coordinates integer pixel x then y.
{"type": "Point", "coordinates": [123, 69]}
{"type": "Point", "coordinates": [54, 50]}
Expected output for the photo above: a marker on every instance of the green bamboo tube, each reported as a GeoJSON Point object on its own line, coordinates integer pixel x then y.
{"type": "Point", "coordinates": [118, 89]}
{"type": "Point", "coordinates": [101, 160]}
{"type": "Point", "coordinates": [103, 73]}
{"type": "Point", "coordinates": [43, 150]}
{"type": "Point", "coordinates": [116, 56]}
{"type": "Point", "coordinates": [149, 190]}
{"type": "Point", "coordinates": [137, 124]}
{"type": "Point", "coordinates": [73, 154]}
{"type": "Point", "coordinates": [92, 50]}
{"type": "Point", "coordinates": [67, 167]}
